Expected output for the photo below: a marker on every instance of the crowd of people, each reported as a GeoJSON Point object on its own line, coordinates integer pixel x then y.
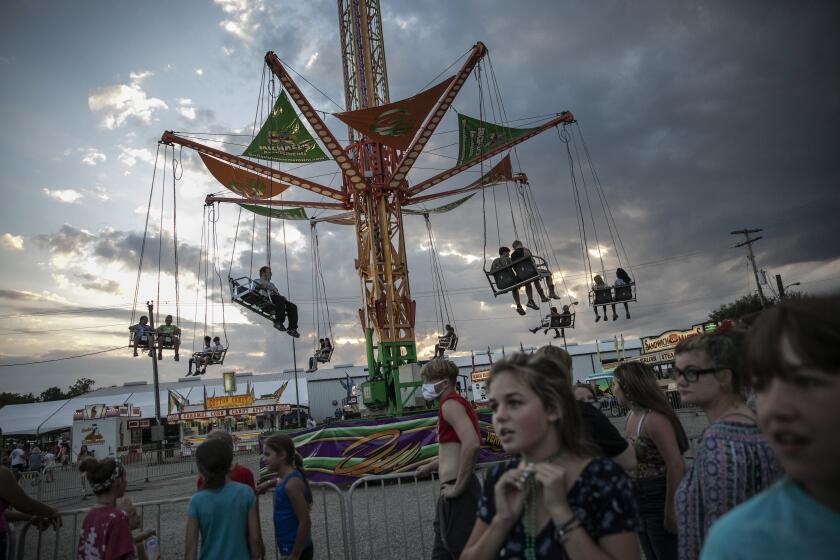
{"type": "Point", "coordinates": [764, 481]}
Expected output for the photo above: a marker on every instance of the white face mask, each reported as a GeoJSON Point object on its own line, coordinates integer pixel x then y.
{"type": "Point", "coordinates": [429, 392]}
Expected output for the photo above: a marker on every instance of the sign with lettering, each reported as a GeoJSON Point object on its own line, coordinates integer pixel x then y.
{"type": "Point", "coordinates": [477, 376]}
{"type": "Point", "coordinates": [663, 357]}
{"type": "Point", "coordinates": [669, 339]}
{"type": "Point", "coordinates": [224, 412]}
{"type": "Point", "coordinates": [229, 401]}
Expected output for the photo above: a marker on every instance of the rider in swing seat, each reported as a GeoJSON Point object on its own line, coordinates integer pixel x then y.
{"type": "Point", "coordinates": [444, 341]}
{"type": "Point", "coordinates": [139, 331]}
{"type": "Point", "coordinates": [505, 277]}
{"type": "Point", "coordinates": [622, 290]}
{"type": "Point", "coordinates": [167, 329]}
{"type": "Point", "coordinates": [556, 321]}
{"type": "Point", "coordinates": [519, 252]}
{"type": "Point", "coordinates": [282, 306]}
{"type": "Point", "coordinates": [200, 359]}
{"type": "Point", "coordinates": [603, 295]}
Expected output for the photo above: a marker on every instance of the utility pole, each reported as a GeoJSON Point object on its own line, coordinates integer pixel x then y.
{"type": "Point", "coordinates": [748, 242]}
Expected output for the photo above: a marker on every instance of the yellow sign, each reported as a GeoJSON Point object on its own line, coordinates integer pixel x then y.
{"type": "Point", "coordinates": [668, 340]}
{"type": "Point", "coordinates": [477, 376]}
{"type": "Point", "coordinates": [229, 401]}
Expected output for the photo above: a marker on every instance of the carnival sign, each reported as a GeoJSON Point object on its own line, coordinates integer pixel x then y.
{"type": "Point", "coordinates": [669, 339]}
{"type": "Point", "coordinates": [229, 401]}
{"type": "Point", "coordinates": [224, 412]}
{"type": "Point", "coordinates": [477, 376]}
{"type": "Point", "coordinates": [342, 452]}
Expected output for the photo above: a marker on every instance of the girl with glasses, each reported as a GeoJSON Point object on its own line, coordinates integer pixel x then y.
{"type": "Point", "coordinates": [792, 359]}
{"type": "Point", "coordinates": [733, 460]}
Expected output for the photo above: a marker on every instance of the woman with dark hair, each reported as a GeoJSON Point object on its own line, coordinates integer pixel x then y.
{"type": "Point", "coordinates": [554, 500]}
{"type": "Point", "coordinates": [791, 359]}
{"type": "Point", "coordinates": [621, 279]}
{"type": "Point", "coordinates": [584, 392]}
{"type": "Point", "coordinates": [659, 440]}
{"type": "Point", "coordinates": [732, 460]}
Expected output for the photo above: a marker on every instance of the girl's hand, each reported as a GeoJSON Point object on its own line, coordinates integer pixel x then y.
{"type": "Point", "coordinates": [552, 478]}
{"type": "Point", "coordinates": [510, 495]}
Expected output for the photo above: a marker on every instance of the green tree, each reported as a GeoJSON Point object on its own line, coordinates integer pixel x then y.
{"type": "Point", "coordinates": [52, 394]}
{"type": "Point", "coordinates": [15, 398]}
{"type": "Point", "coordinates": [80, 387]}
{"type": "Point", "coordinates": [746, 305]}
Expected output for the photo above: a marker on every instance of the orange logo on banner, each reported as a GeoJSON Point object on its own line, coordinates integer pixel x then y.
{"type": "Point", "coordinates": [242, 182]}
{"type": "Point", "coordinates": [395, 124]}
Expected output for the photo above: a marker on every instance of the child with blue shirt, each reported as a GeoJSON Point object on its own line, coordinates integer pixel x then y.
{"type": "Point", "coordinates": [791, 356]}
{"type": "Point", "coordinates": [293, 498]}
{"type": "Point", "coordinates": [223, 512]}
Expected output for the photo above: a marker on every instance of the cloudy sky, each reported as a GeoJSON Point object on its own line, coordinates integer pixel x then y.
{"type": "Point", "coordinates": [701, 118]}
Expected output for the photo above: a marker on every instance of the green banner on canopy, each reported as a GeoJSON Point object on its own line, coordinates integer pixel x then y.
{"type": "Point", "coordinates": [279, 213]}
{"type": "Point", "coordinates": [477, 137]}
{"type": "Point", "coordinates": [284, 138]}
{"type": "Point", "coordinates": [440, 209]}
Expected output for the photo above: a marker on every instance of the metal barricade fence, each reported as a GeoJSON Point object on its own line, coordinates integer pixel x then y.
{"type": "Point", "coordinates": [168, 519]}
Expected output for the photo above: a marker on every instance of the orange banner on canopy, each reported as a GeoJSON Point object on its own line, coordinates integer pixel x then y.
{"type": "Point", "coordinates": [241, 181]}
{"type": "Point", "coordinates": [396, 124]}
{"type": "Point", "coordinates": [500, 173]}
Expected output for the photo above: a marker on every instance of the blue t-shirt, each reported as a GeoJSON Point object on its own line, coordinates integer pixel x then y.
{"type": "Point", "coordinates": [222, 515]}
{"type": "Point", "coordinates": [285, 521]}
{"type": "Point", "coordinates": [781, 522]}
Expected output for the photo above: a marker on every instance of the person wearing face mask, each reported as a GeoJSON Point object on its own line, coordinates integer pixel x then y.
{"type": "Point", "coordinates": [791, 357]}
{"type": "Point", "coordinates": [459, 440]}
{"type": "Point", "coordinates": [732, 460]}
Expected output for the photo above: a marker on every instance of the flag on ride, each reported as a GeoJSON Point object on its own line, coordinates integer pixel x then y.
{"type": "Point", "coordinates": [279, 213]}
{"type": "Point", "coordinates": [476, 137]}
{"type": "Point", "coordinates": [440, 209]}
{"type": "Point", "coordinates": [279, 392]}
{"type": "Point", "coordinates": [283, 137]}
{"type": "Point", "coordinates": [396, 124]}
{"type": "Point", "coordinates": [241, 181]}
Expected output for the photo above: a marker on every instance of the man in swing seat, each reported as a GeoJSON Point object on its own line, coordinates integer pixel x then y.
{"type": "Point", "coordinates": [445, 341]}
{"type": "Point", "coordinates": [200, 359]}
{"type": "Point", "coordinates": [282, 306]}
{"type": "Point", "coordinates": [528, 269]}
{"type": "Point", "coordinates": [506, 277]}
{"type": "Point", "coordinates": [555, 320]}
{"type": "Point", "coordinates": [169, 334]}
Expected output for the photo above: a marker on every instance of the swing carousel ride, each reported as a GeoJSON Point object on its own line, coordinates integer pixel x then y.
{"type": "Point", "coordinates": [385, 139]}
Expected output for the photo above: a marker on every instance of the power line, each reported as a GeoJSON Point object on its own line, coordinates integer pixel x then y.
{"type": "Point", "coordinates": [65, 358]}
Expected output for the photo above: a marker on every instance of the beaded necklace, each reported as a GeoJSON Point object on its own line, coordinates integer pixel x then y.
{"type": "Point", "coordinates": [531, 505]}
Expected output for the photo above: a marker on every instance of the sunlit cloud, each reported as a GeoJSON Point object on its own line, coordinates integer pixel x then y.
{"type": "Point", "coordinates": [92, 156]}
{"type": "Point", "coordinates": [199, 71]}
{"type": "Point", "coordinates": [11, 242]}
{"type": "Point", "coordinates": [68, 196]}
{"type": "Point", "coordinates": [130, 156]}
{"type": "Point", "coordinates": [186, 109]}
{"type": "Point", "coordinates": [120, 103]}
{"type": "Point", "coordinates": [599, 251]}
{"type": "Point", "coordinates": [311, 60]}
{"type": "Point", "coordinates": [240, 21]}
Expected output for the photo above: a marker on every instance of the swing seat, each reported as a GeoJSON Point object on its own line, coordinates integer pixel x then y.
{"type": "Point", "coordinates": [563, 322]}
{"type": "Point", "coordinates": [517, 274]}
{"type": "Point", "coordinates": [142, 341]}
{"type": "Point", "coordinates": [166, 341]}
{"type": "Point", "coordinates": [448, 342]}
{"type": "Point", "coordinates": [324, 355]}
{"type": "Point", "coordinates": [599, 296]}
{"type": "Point", "coordinates": [210, 358]}
{"type": "Point", "coordinates": [625, 293]}
{"type": "Point", "coordinates": [243, 292]}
